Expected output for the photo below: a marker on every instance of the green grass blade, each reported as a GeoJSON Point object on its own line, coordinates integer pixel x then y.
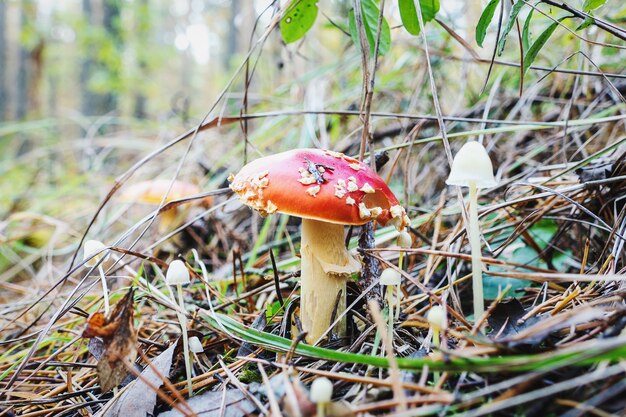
{"type": "Point", "coordinates": [581, 355]}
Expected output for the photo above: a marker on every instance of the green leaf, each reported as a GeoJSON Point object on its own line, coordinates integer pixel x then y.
{"type": "Point", "coordinates": [509, 25]}
{"type": "Point", "coordinates": [592, 5]}
{"type": "Point", "coordinates": [543, 232]}
{"type": "Point", "coordinates": [493, 285]}
{"type": "Point", "coordinates": [408, 14]}
{"type": "Point", "coordinates": [273, 309]}
{"type": "Point", "coordinates": [370, 13]}
{"type": "Point", "coordinates": [484, 21]}
{"type": "Point", "coordinates": [582, 354]}
{"type": "Point", "coordinates": [589, 20]}
{"type": "Point", "coordinates": [538, 45]}
{"type": "Point", "coordinates": [526, 31]}
{"type": "Point", "coordinates": [298, 19]}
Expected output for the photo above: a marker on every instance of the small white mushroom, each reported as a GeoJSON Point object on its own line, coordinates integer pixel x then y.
{"type": "Point", "coordinates": [436, 318]}
{"type": "Point", "coordinates": [321, 394]}
{"type": "Point", "coordinates": [404, 240]}
{"type": "Point", "coordinates": [178, 274]}
{"type": "Point", "coordinates": [472, 168]}
{"type": "Point", "coordinates": [195, 345]}
{"type": "Point", "coordinates": [391, 279]}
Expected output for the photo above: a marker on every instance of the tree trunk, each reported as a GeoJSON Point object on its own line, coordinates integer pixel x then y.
{"type": "Point", "coordinates": [3, 62]}
{"type": "Point", "coordinates": [233, 34]}
{"type": "Point", "coordinates": [111, 22]}
{"type": "Point", "coordinates": [87, 66]}
{"type": "Point", "coordinates": [94, 103]}
{"type": "Point", "coordinates": [23, 72]}
{"type": "Point", "coordinates": [142, 30]}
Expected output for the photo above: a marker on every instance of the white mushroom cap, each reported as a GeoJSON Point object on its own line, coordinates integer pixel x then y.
{"type": "Point", "coordinates": [472, 164]}
{"type": "Point", "coordinates": [435, 316]}
{"type": "Point", "coordinates": [92, 252]}
{"type": "Point", "coordinates": [177, 273]}
{"type": "Point", "coordinates": [195, 345]}
{"type": "Point", "coordinates": [404, 240]}
{"type": "Point", "coordinates": [390, 277]}
{"type": "Point", "coordinates": [321, 390]}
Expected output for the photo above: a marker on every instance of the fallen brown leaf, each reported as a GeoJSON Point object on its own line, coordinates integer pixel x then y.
{"type": "Point", "coordinates": [119, 340]}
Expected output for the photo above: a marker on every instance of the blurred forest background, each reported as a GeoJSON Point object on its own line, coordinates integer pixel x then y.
{"type": "Point", "coordinates": [140, 59]}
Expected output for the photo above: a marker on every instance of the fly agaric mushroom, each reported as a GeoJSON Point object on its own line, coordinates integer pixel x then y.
{"type": "Point", "coordinates": [472, 168]}
{"type": "Point", "coordinates": [327, 190]}
{"type": "Point", "coordinates": [152, 192]}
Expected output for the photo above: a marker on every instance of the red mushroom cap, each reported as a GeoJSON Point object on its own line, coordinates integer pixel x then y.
{"type": "Point", "coordinates": [318, 184]}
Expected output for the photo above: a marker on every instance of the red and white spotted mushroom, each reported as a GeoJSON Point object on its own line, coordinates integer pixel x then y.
{"type": "Point", "coordinates": [327, 190]}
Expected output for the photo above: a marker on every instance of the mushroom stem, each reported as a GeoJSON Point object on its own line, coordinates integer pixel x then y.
{"type": "Point", "coordinates": [436, 342]}
{"type": "Point", "coordinates": [390, 310]}
{"type": "Point", "coordinates": [321, 407]}
{"type": "Point", "coordinates": [183, 325]}
{"type": "Point", "coordinates": [474, 238]}
{"type": "Point", "coordinates": [105, 290]}
{"type": "Point", "coordinates": [326, 266]}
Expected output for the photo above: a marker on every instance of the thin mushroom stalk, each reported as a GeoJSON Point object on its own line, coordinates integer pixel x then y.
{"type": "Point", "coordinates": [183, 327]}
{"type": "Point", "coordinates": [477, 265]}
{"type": "Point", "coordinates": [472, 168]}
{"type": "Point", "coordinates": [177, 274]}
{"type": "Point", "coordinates": [436, 319]}
{"type": "Point", "coordinates": [390, 279]}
